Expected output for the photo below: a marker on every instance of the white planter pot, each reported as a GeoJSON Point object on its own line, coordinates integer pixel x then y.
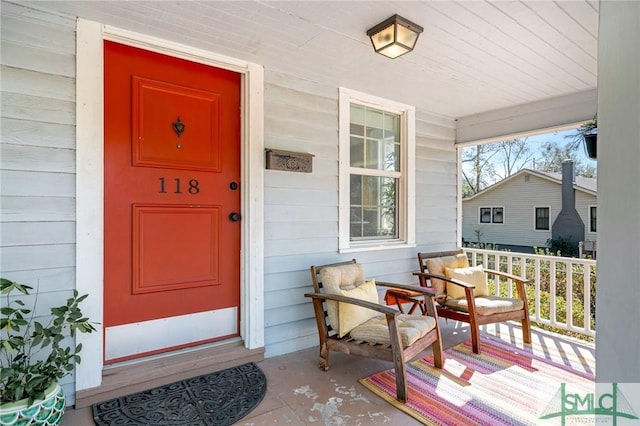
{"type": "Point", "coordinates": [45, 412]}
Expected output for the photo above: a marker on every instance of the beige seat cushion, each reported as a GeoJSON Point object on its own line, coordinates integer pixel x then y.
{"type": "Point", "coordinates": [411, 327]}
{"type": "Point", "coordinates": [473, 275]}
{"type": "Point", "coordinates": [335, 279]}
{"type": "Point", "coordinates": [353, 315]}
{"type": "Point", "coordinates": [487, 305]}
{"type": "Point", "coordinates": [436, 265]}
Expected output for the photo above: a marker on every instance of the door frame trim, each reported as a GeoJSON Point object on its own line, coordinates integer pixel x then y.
{"type": "Point", "coordinates": [90, 182]}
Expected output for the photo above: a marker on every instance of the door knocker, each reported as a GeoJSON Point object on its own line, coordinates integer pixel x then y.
{"type": "Point", "coordinates": [178, 127]}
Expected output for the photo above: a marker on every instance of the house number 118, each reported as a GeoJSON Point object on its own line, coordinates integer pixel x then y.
{"type": "Point", "coordinates": [193, 188]}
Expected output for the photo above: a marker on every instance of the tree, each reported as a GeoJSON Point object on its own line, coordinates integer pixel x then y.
{"type": "Point", "coordinates": [554, 155]}
{"type": "Point", "coordinates": [484, 165]}
{"type": "Point", "coordinates": [477, 168]}
{"type": "Point", "coordinates": [515, 155]}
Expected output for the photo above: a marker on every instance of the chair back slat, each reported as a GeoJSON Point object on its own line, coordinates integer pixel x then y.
{"type": "Point", "coordinates": [315, 273]}
{"type": "Point", "coordinates": [422, 257]}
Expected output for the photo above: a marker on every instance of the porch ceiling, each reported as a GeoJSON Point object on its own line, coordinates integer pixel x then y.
{"type": "Point", "coordinates": [473, 56]}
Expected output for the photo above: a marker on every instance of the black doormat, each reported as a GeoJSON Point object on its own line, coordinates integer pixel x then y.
{"type": "Point", "coordinates": [220, 398]}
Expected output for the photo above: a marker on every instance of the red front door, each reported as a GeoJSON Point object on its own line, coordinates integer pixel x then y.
{"type": "Point", "coordinates": [172, 203]}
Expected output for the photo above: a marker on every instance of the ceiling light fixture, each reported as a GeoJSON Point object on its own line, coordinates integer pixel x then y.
{"type": "Point", "coordinates": [394, 36]}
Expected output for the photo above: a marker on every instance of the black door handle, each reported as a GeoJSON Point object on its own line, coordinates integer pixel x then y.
{"type": "Point", "coordinates": [234, 217]}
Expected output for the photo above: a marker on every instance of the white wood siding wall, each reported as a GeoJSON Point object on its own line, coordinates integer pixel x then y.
{"type": "Point", "coordinates": [37, 171]}
{"type": "Point", "coordinates": [301, 209]}
{"type": "Point", "coordinates": [583, 202]}
{"type": "Point", "coordinates": [519, 199]}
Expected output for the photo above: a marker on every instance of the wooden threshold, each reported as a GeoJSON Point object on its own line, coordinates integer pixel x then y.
{"type": "Point", "coordinates": [137, 376]}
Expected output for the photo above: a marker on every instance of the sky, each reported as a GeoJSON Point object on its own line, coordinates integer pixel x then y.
{"type": "Point", "coordinates": [538, 142]}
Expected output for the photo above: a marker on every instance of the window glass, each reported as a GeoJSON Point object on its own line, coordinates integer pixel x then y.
{"type": "Point", "coordinates": [592, 219]}
{"type": "Point", "coordinates": [485, 215]}
{"type": "Point", "coordinates": [375, 138]}
{"type": "Point", "coordinates": [373, 207]}
{"type": "Point", "coordinates": [497, 215]}
{"type": "Point", "coordinates": [542, 218]}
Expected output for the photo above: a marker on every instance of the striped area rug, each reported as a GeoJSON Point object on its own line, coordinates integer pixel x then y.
{"type": "Point", "coordinates": [506, 385]}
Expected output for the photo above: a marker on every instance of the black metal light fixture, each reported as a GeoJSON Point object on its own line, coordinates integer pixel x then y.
{"type": "Point", "coordinates": [394, 36]}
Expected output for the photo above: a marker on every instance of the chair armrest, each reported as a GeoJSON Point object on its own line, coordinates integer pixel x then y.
{"type": "Point", "coordinates": [457, 282]}
{"type": "Point", "coordinates": [365, 304]}
{"type": "Point", "coordinates": [408, 287]}
{"type": "Point", "coordinates": [519, 281]}
{"type": "Point", "coordinates": [468, 288]}
{"type": "Point", "coordinates": [506, 275]}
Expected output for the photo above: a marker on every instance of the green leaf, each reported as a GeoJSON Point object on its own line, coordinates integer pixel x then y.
{"type": "Point", "coordinates": [6, 372]}
{"type": "Point", "coordinates": [18, 392]}
{"type": "Point", "coordinates": [7, 347]}
{"type": "Point", "coordinates": [36, 340]}
{"type": "Point", "coordinates": [59, 310]}
{"type": "Point", "coordinates": [7, 310]}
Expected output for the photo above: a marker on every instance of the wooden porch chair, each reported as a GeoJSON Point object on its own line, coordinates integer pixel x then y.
{"type": "Point", "coordinates": [351, 320]}
{"type": "Point", "coordinates": [462, 293]}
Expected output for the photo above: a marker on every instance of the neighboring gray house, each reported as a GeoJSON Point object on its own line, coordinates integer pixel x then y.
{"type": "Point", "coordinates": [524, 210]}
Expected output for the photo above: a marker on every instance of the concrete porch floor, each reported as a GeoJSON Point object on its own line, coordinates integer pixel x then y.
{"type": "Point", "coordinates": [299, 393]}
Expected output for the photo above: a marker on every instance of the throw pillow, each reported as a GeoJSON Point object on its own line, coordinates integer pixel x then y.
{"type": "Point", "coordinates": [473, 275]}
{"type": "Point", "coordinates": [337, 278]}
{"type": "Point", "coordinates": [353, 315]}
{"type": "Point", "coordinates": [437, 266]}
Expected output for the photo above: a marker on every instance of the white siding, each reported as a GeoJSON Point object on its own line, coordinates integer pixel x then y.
{"type": "Point", "coordinates": [519, 197]}
{"type": "Point", "coordinates": [301, 209]}
{"type": "Point", "coordinates": [37, 213]}
{"type": "Point", "coordinates": [583, 202]}
{"type": "Point", "coordinates": [300, 212]}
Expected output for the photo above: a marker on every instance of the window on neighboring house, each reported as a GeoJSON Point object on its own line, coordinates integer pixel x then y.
{"type": "Point", "coordinates": [592, 218]}
{"type": "Point", "coordinates": [376, 172]}
{"type": "Point", "coordinates": [491, 214]}
{"type": "Point", "coordinates": [542, 218]}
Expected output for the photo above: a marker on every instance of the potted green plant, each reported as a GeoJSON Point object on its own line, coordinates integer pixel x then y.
{"type": "Point", "coordinates": [34, 355]}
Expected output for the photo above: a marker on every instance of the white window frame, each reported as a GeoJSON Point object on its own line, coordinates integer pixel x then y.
{"type": "Point", "coordinates": [504, 215]}
{"type": "Point", "coordinates": [406, 186]}
{"type": "Point", "coordinates": [589, 218]}
{"type": "Point", "coordinates": [535, 221]}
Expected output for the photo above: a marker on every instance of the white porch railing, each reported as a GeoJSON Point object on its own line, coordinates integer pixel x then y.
{"type": "Point", "coordinates": [556, 298]}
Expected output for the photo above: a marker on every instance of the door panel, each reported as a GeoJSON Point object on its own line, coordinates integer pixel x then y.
{"type": "Point", "coordinates": [158, 266]}
{"type": "Point", "coordinates": [196, 146]}
{"type": "Point", "coordinates": [172, 147]}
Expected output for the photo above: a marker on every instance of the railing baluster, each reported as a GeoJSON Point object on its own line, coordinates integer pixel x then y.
{"type": "Point", "coordinates": [537, 286]}
{"type": "Point", "coordinates": [556, 264]}
{"type": "Point", "coordinates": [569, 295]}
{"type": "Point", "coordinates": [552, 292]}
{"type": "Point", "coordinates": [586, 278]}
